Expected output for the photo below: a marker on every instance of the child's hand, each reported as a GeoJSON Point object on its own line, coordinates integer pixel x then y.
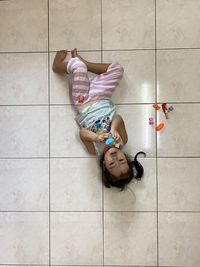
{"type": "Point", "coordinates": [115, 135]}
{"type": "Point", "coordinates": [102, 137]}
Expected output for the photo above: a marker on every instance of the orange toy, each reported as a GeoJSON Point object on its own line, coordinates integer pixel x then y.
{"type": "Point", "coordinates": [156, 106]}
{"type": "Point", "coordinates": [165, 110]}
{"type": "Point", "coordinates": [160, 126]}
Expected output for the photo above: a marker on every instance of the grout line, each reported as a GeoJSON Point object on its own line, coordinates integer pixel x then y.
{"type": "Point", "coordinates": [88, 265]}
{"type": "Point", "coordinates": [156, 136]}
{"type": "Point", "coordinates": [117, 104]}
{"type": "Point", "coordinates": [101, 31]}
{"type": "Point", "coordinates": [49, 135]}
{"type": "Point", "coordinates": [103, 214]}
{"type": "Point", "coordinates": [106, 50]}
{"type": "Point", "coordinates": [100, 211]}
{"type": "Point", "coordinates": [85, 157]}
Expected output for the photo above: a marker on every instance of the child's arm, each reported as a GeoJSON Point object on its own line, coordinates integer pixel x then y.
{"type": "Point", "coordinates": [117, 125]}
{"type": "Point", "coordinates": [88, 137]}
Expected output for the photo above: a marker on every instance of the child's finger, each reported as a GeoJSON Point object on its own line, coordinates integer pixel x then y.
{"type": "Point", "coordinates": [117, 137]}
{"type": "Point", "coordinates": [106, 135]}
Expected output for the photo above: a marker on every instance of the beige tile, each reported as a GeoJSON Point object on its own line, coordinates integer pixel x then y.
{"type": "Point", "coordinates": [24, 185]}
{"type": "Point", "coordinates": [75, 23]}
{"type": "Point", "coordinates": [124, 236]}
{"type": "Point", "coordinates": [180, 137]}
{"type": "Point", "coordinates": [128, 24]}
{"type": "Point", "coordinates": [65, 140]}
{"type": "Point", "coordinates": [139, 196]}
{"type": "Point", "coordinates": [179, 235]}
{"type": "Point", "coordinates": [75, 185]}
{"type": "Point", "coordinates": [24, 131]}
{"type": "Point", "coordinates": [138, 82]}
{"type": "Point", "coordinates": [178, 23]}
{"type": "Point", "coordinates": [24, 79]}
{"type": "Point", "coordinates": [25, 238]}
{"type": "Point", "coordinates": [179, 184]}
{"type": "Point", "coordinates": [76, 238]}
{"type": "Point", "coordinates": [141, 135]}
{"type": "Point", "coordinates": [178, 75]}
{"type": "Point", "coordinates": [24, 25]}
{"type": "Point", "coordinates": [61, 84]}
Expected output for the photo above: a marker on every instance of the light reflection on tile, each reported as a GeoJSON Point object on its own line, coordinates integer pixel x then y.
{"type": "Point", "coordinates": [137, 84]}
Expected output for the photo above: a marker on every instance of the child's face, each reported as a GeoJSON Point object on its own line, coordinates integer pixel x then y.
{"type": "Point", "coordinates": [115, 162]}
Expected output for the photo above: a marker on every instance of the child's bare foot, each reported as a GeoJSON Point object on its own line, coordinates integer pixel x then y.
{"type": "Point", "coordinates": [58, 65]}
{"type": "Point", "coordinates": [75, 54]}
{"type": "Point", "coordinates": [60, 55]}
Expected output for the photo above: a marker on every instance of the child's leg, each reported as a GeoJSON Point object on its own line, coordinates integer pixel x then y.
{"type": "Point", "coordinates": [104, 84]}
{"type": "Point", "coordinates": [97, 68]}
{"type": "Point", "coordinates": [80, 82]}
{"type": "Point", "coordinates": [59, 66]}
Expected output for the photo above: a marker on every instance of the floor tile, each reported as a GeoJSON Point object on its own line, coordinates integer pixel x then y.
{"type": "Point", "coordinates": [178, 75]}
{"type": "Point", "coordinates": [123, 238]}
{"type": "Point", "coordinates": [178, 23]}
{"type": "Point", "coordinates": [178, 180]}
{"type": "Point", "coordinates": [24, 131]}
{"type": "Point", "coordinates": [179, 235]}
{"type": "Point", "coordinates": [141, 135]}
{"type": "Point", "coordinates": [65, 132]}
{"type": "Point", "coordinates": [61, 84]}
{"type": "Point", "coordinates": [24, 185]}
{"type": "Point", "coordinates": [75, 23]}
{"type": "Point", "coordinates": [25, 238]}
{"type": "Point", "coordinates": [24, 79]}
{"type": "Point", "coordinates": [138, 83]}
{"type": "Point", "coordinates": [123, 30]}
{"type": "Point", "coordinates": [180, 137]}
{"type": "Point", "coordinates": [75, 185]}
{"type": "Point", "coordinates": [22, 30]}
{"type": "Point", "coordinates": [139, 196]}
{"type": "Point", "coordinates": [76, 238]}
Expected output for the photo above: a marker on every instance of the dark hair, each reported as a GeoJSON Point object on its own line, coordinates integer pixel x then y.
{"type": "Point", "coordinates": [135, 171]}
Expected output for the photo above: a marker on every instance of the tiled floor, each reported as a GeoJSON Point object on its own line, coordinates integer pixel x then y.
{"type": "Point", "coordinates": [53, 207]}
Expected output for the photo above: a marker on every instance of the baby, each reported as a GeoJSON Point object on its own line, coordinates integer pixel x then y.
{"type": "Point", "coordinates": [97, 116]}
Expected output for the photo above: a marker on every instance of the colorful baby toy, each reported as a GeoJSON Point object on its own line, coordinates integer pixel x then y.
{"type": "Point", "coordinates": [110, 141]}
{"type": "Point", "coordinates": [170, 108]}
{"type": "Point", "coordinates": [165, 110]}
{"type": "Point", "coordinates": [156, 106]}
{"type": "Point", "coordinates": [151, 121]}
{"type": "Point", "coordinates": [160, 126]}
